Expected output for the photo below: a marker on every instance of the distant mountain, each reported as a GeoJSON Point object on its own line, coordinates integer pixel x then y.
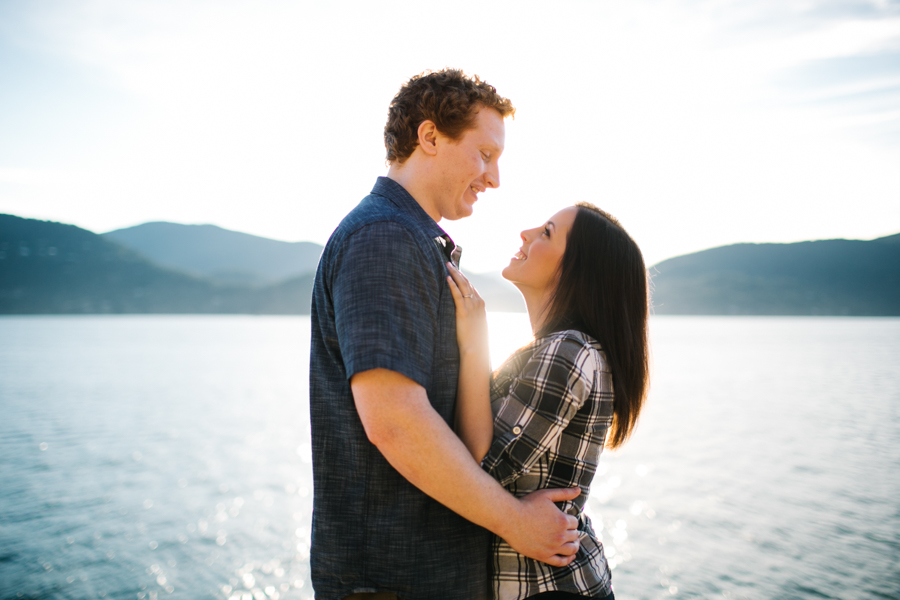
{"type": "Point", "coordinates": [219, 254]}
{"type": "Point", "coordinates": [290, 297]}
{"type": "Point", "coordinates": [52, 268]}
{"type": "Point", "coordinates": [826, 277]}
{"type": "Point", "coordinates": [499, 295]}
{"type": "Point", "coordinates": [48, 268]}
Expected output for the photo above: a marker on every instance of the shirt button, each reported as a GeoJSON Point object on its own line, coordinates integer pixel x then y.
{"type": "Point", "coordinates": [517, 430]}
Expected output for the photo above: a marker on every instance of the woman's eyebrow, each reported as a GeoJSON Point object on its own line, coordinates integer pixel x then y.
{"type": "Point", "coordinates": [551, 223]}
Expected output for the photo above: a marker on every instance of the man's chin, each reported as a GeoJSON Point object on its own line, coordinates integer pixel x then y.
{"type": "Point", "coordinates": [466, 210]}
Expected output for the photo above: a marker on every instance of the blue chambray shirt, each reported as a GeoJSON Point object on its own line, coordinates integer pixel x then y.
{"type": "Point", "coordinates": [381, 300]}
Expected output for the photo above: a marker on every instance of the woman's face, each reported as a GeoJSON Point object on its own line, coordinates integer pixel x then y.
{"type": "Point", "coordinates": [534, 267]}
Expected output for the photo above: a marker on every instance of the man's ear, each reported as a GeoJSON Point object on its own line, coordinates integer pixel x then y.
{"type": "Point", "coordinates": [428, 134]}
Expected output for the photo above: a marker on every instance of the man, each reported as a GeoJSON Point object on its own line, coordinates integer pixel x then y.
{"type": "Point", "coordinates": [401, 510]}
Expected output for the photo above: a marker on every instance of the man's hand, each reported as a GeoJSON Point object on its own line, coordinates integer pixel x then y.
{"type": "Point", "coordinates": [541, 531]}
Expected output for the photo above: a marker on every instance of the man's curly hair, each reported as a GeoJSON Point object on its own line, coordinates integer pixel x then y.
{"type": "Point", "coordinates": [449, 98]}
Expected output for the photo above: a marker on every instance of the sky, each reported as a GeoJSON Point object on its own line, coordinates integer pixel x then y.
{"type": "Point", "coordinates": [697, 123]}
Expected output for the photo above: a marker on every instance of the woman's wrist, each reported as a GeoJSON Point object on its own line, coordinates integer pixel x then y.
{"type": "Point", "coordinates": [474, 351]}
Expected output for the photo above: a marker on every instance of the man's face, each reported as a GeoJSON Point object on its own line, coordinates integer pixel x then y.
{"type": "Point", "coordinates": [469, 165]}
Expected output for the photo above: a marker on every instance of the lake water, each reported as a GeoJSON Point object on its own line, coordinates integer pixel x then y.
{"type": "Point", "coordinates": [150, 457]}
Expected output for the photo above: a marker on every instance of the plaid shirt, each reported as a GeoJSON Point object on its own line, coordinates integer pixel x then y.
{"type": "Point", "coordinates": [553, 403]}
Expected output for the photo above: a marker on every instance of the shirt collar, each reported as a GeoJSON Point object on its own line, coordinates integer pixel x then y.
{"type": "Point", "coordinates": [397, 194]}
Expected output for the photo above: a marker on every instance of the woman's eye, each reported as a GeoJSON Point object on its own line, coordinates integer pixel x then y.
{"type": "Point", "coordinates": [547, 231]}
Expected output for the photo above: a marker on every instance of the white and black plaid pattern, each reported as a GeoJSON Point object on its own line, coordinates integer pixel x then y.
{"type": "Point", "coordinates": [553, 404]}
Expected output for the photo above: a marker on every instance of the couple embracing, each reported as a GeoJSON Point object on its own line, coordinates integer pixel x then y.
{"type": "Point", "coordinates": [434, 478]}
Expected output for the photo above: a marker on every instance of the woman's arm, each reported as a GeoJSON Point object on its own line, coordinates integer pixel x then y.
{"type": "Point", "coordinates": [474, 422]}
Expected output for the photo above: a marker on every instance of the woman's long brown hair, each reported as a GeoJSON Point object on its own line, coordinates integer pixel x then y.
{"type": "Point", "coordinates": [602, 291]}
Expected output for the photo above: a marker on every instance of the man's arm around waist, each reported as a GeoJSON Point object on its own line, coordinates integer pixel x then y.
{"type": "Point", "coordinates": [400, 421]}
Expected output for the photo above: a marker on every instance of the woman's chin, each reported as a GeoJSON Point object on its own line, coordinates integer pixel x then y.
{"type": "Point", "coordinates": [508, 272]}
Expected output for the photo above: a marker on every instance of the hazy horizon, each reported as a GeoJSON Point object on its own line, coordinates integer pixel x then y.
{"type": "Point", "coordinates": [493, 272]}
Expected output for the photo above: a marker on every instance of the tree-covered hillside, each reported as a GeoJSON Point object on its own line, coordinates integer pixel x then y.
{"type": "Point", "coordinates": [48, 267]}
{"type": "Point", "coordinates": [53, 268]}
{"type": "Point", "coordinates": [219, 254]}
{"type": "Point", "coordinates": [826, 277]}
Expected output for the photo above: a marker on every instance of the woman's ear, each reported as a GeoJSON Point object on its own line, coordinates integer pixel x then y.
{"type": "Point", "coordinates": [428, 137]}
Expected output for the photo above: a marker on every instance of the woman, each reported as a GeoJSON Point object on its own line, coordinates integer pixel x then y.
{"type": "Point", "coordinates": [542, 419]}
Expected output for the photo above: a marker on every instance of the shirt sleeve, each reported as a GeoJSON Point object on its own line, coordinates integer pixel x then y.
{"type": "Point", "coordinates": [551, 387]}
{"type": "Point", "coordinates": [385, 298]}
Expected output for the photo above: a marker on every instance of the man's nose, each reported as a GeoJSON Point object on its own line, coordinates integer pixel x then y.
{"type": "Point", "coordinates": [492, 177]}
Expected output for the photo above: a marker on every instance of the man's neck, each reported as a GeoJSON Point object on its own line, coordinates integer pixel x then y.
{"type": "Point", "coordinates": [413, 181]}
